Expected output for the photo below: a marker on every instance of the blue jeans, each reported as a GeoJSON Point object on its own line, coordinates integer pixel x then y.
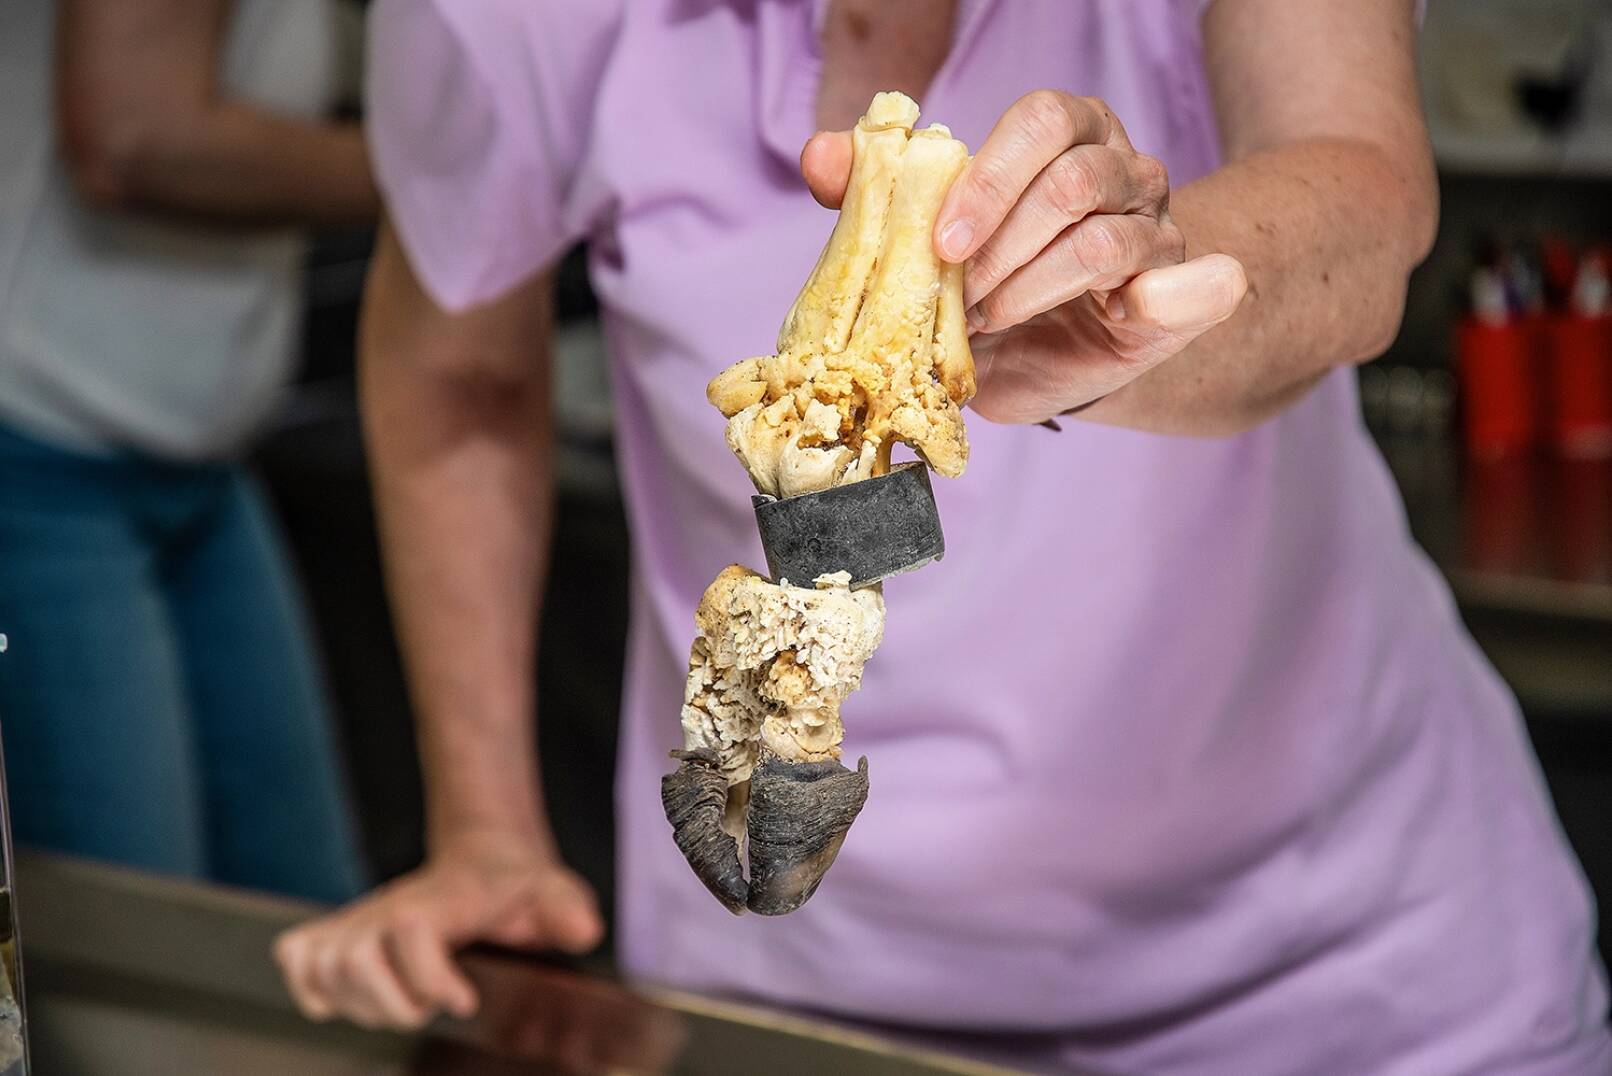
{"type": "Point", "coordinates": [160, 701]}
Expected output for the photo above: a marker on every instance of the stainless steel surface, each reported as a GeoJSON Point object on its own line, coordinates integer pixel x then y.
{"type": "Point", "coordinates": [137, 976]}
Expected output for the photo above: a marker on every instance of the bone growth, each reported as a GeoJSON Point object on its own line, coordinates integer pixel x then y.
{"type": "Point", "coordinates": [875, 349]}
{"type": "Point", "coordinates": [771, 666]}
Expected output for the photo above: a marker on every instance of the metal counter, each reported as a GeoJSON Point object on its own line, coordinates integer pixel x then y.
{"type": "Point", "coordinates": [131, 975]}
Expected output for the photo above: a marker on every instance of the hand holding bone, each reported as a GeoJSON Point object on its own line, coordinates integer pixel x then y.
{"type": "Point", "coordinates": [1077, 281]}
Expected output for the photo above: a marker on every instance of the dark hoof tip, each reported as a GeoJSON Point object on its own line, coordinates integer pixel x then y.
{"type": "Point", "coordinates": [799, 815]}
{"type": "Point", "coordinates": [695, 797]}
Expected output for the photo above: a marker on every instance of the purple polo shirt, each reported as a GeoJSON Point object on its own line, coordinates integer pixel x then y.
{"type": "Point", "coordinates": [1181, 754]}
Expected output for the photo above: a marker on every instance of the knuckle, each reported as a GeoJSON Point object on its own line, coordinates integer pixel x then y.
{"type": "Point", "coordinates": [351, 966]}
{"type": "Point", "coordinates": [995, 309]}
{"type": "Point", "coordinates": [287, 950]}
{"type": "Point", "coordinates": [1049, 113]}
{"type": "Point", "coordinates": [1153, 177]}
{"type": "Point", "coordinates": [322, 966]}
{"type": "Point", "coordinates": [1073, 185]}
{"type": "Point", "coordinates": [986, 268]}
{"type": "Point", "coordinates": [991, 182]}
{"type": "Point", "coordinates": [1100, 246]}
{"type": "Point", "coordinates": [1100, 108]}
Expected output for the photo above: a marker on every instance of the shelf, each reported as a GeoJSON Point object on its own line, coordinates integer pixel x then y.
{"type": "Point", "coordinates": [1587, 154]}
{"type": "Point", "coordinates": [1533, 596]}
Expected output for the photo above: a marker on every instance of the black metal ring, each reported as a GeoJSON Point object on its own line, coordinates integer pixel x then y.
{"type": "Point", "coordinates": [873, 529]}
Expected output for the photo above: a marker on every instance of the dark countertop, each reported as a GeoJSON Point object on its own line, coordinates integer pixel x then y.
{"type": "Point", "coordinates": [128, 974]}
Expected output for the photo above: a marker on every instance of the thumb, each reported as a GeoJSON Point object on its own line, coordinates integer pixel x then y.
{"type": "Point", "coordinates": [574, 918]}
{"type": "Point", "coordinates": [826, 165]}
{"type": "Point", "coordinates": [560, 913]}
{"type": "Point", "coordinates": [1181, 302]}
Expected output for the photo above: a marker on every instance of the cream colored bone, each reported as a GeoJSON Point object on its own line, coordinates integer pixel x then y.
{"type": "Point", "coordinates": [877, 333]}
{"type": "Point", "coordinates": [873, 351]}
{"type": "Point", "coordinates": [771, 666]}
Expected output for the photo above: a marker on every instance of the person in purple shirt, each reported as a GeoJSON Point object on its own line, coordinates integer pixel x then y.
{"type": "Point", "coordinates": [1183, 760]}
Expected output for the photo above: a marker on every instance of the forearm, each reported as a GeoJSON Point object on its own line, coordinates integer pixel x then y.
{"type": "Point", "coordinates": [1328, 232]}
{"type": "Point", "coordinates": [145, 124]}
{"type": "Point", "coordinates": [239, 164]}
{"type": "Point", "coordinates": [463, 495]}
{"type": "Point", "coordinates": [463, 486]}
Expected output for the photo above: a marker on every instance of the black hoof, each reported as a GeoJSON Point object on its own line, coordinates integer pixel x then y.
{"type": "Point", "coordinates": [799, 814]}
{"type": "Point", "coordinates": [695, 797]}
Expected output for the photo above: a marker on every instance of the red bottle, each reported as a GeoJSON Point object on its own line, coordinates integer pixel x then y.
{"type": "Point", "coordinates": [1495, 361]}
{"type": "Point", "coordinates": [1579, 366]}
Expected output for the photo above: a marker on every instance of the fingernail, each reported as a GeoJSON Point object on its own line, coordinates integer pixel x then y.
{"type": "Point", "coordinates": [1116, 308]}
{"type": "Point", "coordinates": [955, 239]}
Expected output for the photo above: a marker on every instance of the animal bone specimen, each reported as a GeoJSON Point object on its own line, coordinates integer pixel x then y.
{"type": "Point", "coordinates": [874, 351]}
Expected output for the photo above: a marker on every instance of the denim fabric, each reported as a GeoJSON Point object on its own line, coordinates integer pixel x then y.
{"type": "Point", "coordinates": [160, 700]}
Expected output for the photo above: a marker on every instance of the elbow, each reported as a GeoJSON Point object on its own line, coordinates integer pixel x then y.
{"type": "Point", "coordinates": [1381, 311]}
{"type": "Point", "coordinates": [100, 160]}
{"type": "Point", "coordinates": [1422, 216]}
{"type": "Point", "coordinates": [1380, 318]}
{"type": "Point", "coordinates": [104, 149]}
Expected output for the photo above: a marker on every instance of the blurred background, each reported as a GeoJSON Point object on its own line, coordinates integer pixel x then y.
{"type": "Point", "coordinates": [1494, 409]}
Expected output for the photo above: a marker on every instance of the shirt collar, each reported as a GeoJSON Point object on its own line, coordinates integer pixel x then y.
{"type": "Point", "coordinates": [790, 64]}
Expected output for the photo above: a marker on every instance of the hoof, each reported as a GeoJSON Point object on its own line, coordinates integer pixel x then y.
{"type": "Point", "coordinates": [695, 797]}
{"type": "Point", "coordinates": [799, 814]}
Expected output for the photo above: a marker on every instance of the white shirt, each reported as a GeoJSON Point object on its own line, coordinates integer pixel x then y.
{"type": "Point", "coordinates": [119, 330]}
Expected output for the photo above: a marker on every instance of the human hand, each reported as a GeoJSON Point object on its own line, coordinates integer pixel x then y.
{"type": "Point", "coordinates": [1077, 280]}
{"type": "Point", "coordinates": [386, 960]}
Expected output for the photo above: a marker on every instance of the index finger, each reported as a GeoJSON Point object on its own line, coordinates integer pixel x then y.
{"type": "Point", "coordinates": [1031, 133]}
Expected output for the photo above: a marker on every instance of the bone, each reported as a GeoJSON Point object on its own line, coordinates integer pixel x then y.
{"type": "Point", "coordinates": [873, 352]}
{"type": "Point", "coordinates": [772, 664]}
{"type": "Point", "coordinates": [821, 319]}
{"type": "Point", "coordinates": [876, 334]}
{"type": "Point", "coordinates": [899, 319]}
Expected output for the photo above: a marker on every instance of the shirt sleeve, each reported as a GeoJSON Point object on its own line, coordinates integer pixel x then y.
{"type": "Point", "coordinates": [478, 117]}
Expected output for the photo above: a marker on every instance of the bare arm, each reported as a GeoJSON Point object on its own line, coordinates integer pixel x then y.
{"type": "Point", "coordinates": [1329, 200]}
{"type": "Point", "coordinates": [460, 440]}
{"type": "Point", "coordinates": [145, 125]}
{"type": "Point", "coordinates": [461, 446]}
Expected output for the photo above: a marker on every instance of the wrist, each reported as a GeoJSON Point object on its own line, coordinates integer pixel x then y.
{"type": "Point", "coordinates": [463, 836]}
